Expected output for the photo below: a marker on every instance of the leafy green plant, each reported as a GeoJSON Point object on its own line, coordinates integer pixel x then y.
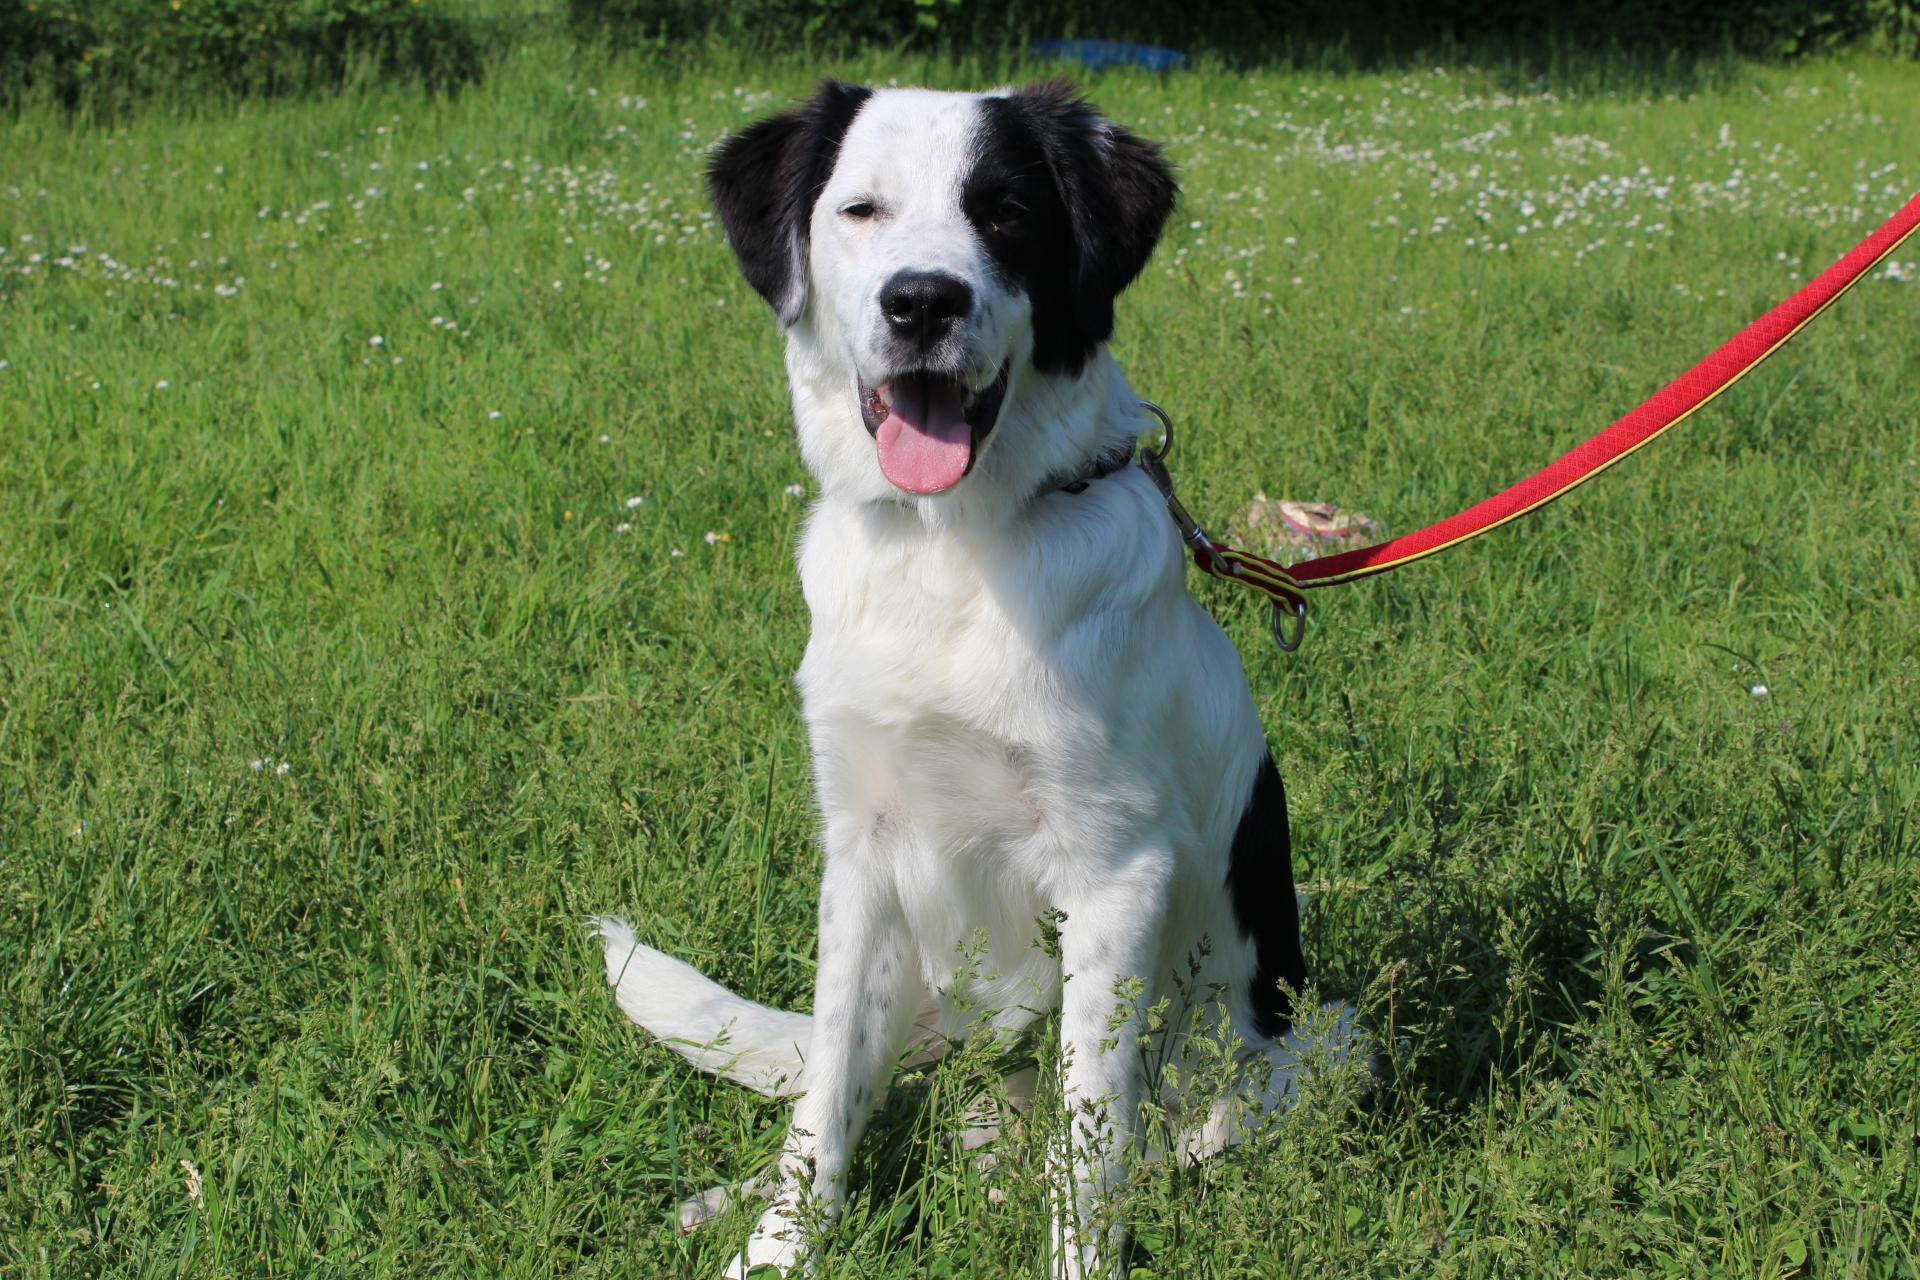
{"type": "Point", "coordinates": [1776, 29]}
{"type": "Point", "coordinates": [243, 44]}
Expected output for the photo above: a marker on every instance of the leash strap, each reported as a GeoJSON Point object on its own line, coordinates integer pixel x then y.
{"type": "Point", "coordinates": [1286, 586]}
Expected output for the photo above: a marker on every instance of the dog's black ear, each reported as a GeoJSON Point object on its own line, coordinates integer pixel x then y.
{"type": "Point", "coordinates": [1118, 191]}
{"type": "Point", "coordinates": [764, 181]}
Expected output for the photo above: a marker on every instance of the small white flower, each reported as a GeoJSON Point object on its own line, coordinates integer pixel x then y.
{"type": "Point", "coordinates": [376, 341]}
{"type": "Point", "coordinates": [715, 538]}
{"type": "Point", "coordinates": [257, 765]}
{"type": "Point", "coordinates": [634, 501]}
{"type": "Point", "coordinates": [676, 553]}
{"type": "Point", "coordinates": [493, 415]}
{"type": "Point", "coordinates": [160, 385]}
{"type": "Point", "coordinates": [623, 527]}
{"type": "Point", "coordinates": [1759, 691]}
{"type": "Point", "coordinates": [796, 490]}
{"type": "Point", "coordinates": [606, 439]}
{"type": "Point", "coordinates": [281, 768]}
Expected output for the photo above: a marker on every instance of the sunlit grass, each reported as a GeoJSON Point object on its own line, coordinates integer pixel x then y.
{"type": "Point", "coordinates": [431, 455]}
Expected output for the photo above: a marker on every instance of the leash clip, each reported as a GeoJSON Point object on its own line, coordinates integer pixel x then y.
{"type": "Point", "coordinates": [1288, 625]}
{"type": "Point", "coordinates": [1154, 463]}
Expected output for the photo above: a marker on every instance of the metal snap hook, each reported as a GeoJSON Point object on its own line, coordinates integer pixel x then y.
{"type": "Point", "coordinates": [1154, 463]}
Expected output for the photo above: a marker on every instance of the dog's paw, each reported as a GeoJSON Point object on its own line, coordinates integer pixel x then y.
{"type": "Point", "coordinates": [714, 1201]}
{"type": "Point", "coordinates": [775, 1244]}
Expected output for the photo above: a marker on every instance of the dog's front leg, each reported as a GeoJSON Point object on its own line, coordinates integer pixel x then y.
{"type": "Point", "coordinates": [1109, 943]}
{"type": "Point", "coordinates": [866, 993]}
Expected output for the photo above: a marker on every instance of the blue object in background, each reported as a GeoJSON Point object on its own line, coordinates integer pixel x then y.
{"type": "Point", "coordinates": [1095, 54]}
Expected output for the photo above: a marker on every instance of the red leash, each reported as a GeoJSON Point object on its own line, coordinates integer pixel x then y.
{"type": "Point", "coordinates": [1673, 403]}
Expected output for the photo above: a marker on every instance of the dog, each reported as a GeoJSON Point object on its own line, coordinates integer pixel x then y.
{"type": "Point", "coordinates": [1020, 722]}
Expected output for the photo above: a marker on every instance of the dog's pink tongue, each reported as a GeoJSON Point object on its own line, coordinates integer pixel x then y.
{"type": "Point", "coordinates": [924, 441]}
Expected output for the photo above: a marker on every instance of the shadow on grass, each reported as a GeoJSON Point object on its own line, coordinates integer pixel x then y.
{"type": "Point", "coordinates": [1482, 984]}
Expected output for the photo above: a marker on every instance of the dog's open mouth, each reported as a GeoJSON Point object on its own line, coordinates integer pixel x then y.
{"type": "Point", "coordinates": [927, 427]}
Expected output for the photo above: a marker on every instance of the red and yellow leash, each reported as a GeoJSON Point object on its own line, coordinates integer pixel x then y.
{"type": "Point", "coordinates": [1286, 586]}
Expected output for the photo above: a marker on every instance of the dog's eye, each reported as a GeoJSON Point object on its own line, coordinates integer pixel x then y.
{"type": "Point", "coordinates": [859, 210]}
{"type": "Point", "coordinates": [1007, 213]}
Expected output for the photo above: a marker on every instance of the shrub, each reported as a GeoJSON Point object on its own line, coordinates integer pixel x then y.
{"type": "Point", "coordinates": [1769, 28]}
{"type": "Point", "coordinates": [255, 45]}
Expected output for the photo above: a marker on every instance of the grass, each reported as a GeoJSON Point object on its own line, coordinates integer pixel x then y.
{"type": "Point", "coordinates": [342, 675]}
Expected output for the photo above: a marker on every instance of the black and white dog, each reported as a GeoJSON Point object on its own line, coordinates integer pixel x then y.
{"type": "Point", "coordinates": [1017, 713]}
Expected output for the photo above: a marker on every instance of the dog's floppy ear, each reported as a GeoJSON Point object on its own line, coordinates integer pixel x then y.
{"type": "Point", "coordinates": [764, 181]}
{"type": "Point", "coordinates": [1118, 191]}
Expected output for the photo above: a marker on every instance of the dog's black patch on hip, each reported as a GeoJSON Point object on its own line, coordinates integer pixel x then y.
{"type": "Point", "coordinates": [1260, 877]}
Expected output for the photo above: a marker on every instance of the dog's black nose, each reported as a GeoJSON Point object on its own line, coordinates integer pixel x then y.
{"type": "Point", "coordinates": [921, 306]}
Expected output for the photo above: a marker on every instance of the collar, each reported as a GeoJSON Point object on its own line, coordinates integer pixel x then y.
{"type": "Point", "coordinates": [1097, 468]}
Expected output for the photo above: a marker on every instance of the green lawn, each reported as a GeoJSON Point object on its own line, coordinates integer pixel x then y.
{"type": "Point", "coordinates": [395, 517]}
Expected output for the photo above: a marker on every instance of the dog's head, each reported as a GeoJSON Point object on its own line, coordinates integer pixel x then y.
{"type": "Point", "coordinates": [946, 267]}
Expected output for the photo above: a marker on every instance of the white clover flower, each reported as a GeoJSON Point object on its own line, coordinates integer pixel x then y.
{"type": "Point", "coordinates": [493, 415]}
{"type": "Point", "coordinates": [281, 768]}
{"type": "Point", "coordinates": [623, 527]}
{"type": "Point", "coordinates": [376, 341]}
{"type": "Point", "coordinates": [634, 501]}
{"type": "Point", "coordinates": [796, 490]}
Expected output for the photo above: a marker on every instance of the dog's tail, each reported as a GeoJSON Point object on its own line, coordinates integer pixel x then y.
{"type": "Point", "coordinates": [717, 1031]}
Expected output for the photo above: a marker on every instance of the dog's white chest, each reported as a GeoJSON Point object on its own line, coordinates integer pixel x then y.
{"type": "Point", "coordinates": [933, 720]}
{"type": "Point", "coordinates": [908, 630]}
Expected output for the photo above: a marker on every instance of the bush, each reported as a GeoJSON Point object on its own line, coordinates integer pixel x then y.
{"type": "Point", "coordinates": [1769, 28]}
{"type": "Point", "coordinates": [249, 45]}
